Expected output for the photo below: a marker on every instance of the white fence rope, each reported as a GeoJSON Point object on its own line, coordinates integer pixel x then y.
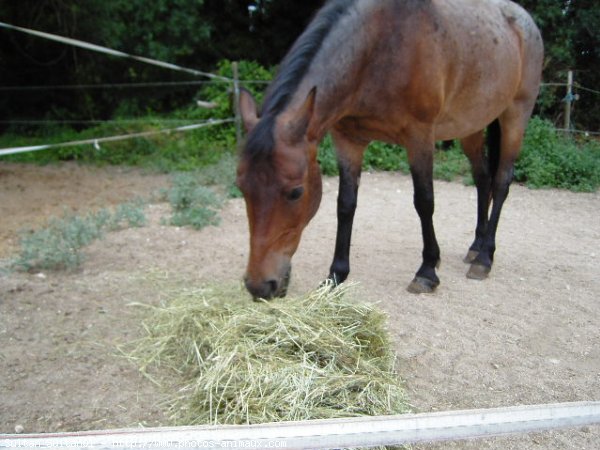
{"type": "Point", "coordinates": [328, 434]}
{"type": "Point", "coordinates": [109, 51]}
{"type": "Point", "coordinates": [584, 132]}
{"type": "Point", "coordinates": [97, 141]}
{"type": "Point", "coordinates": [148, 120]}
{"type": "Point", "coordinates": [141, 85]}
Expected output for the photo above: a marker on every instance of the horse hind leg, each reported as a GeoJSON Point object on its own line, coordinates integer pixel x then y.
{"type": "Point", "coordinates": [510, 130]}
{"type": "Point", "coordinates": [483, 168]}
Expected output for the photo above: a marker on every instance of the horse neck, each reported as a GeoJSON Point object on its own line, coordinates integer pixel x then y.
{"type": "Point", "coordinates": [336, 69]}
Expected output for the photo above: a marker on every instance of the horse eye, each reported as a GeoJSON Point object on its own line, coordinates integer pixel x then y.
{"type": "Point", "coordinates": [295, 194]}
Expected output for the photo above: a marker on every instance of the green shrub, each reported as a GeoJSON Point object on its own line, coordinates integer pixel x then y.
{"type": "Point", "coordinates": [549, 159]}
{"type": "Point", "coordinates": [193, 204]}
{"type": "Point", "coordinates": [452, 164]}
{"type": "Point", "coordinates": [222, 174]}
{"type": "Point", "coordinates": [326, 157]}
{"type": "Point", "coordinates": [58, 246]}
{"type": "Point", "coordinates": [181, 151]}
{"type": "Point", "coordinates": [448, 165]}
{"type": "Point", "coordinates": [380, 156]}
{"type": "Point", "coordinates": [128, 215]}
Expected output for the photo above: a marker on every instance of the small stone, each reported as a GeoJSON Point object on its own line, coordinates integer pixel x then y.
{"type": "Point", "coordinates": [19, 429]}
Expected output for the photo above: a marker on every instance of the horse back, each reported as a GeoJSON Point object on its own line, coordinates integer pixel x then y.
{"type": "Point", "coordinates": [452, 64]}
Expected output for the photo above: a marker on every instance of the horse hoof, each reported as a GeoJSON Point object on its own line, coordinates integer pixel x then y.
{"type": "Point", "coordinates": [421, 285]}
{"type": "Point", "coordinates": [328, 283]}
{"type": "Point", "coordinates": [471, 256]}
{"type": "Point", "coordinates": [478, 272]}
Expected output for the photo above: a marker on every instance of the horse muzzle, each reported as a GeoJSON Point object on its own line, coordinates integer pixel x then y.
{"type": "Point", "coordinates": [269, 288]}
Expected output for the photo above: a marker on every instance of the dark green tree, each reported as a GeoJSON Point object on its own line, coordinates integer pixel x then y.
{"type": "Point", "coordinates": [260, 30]}
{"type": "Point", "coordinates": [169, 30]}
{"type": "Point", "coordinates": [585, 20]}
{"type": "Point", "coordinates": [199, 33]}
{"type": "Point", "coordinates": [571, 32]}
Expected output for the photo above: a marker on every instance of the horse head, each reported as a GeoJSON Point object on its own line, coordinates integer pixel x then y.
{"type": "Point", "coordinates": [280, 179]}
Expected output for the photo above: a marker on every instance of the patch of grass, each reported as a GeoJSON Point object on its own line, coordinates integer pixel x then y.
{"type": "Point", "coordinates": [452, 164]}
{"type": "Point", "coordinates": [550, 159]}
{"type": "Point", "coordinates": [162, 153]}
{"type": "Point", "coordinates": [128, 215]}
{"type": "Point", "coordinates": [58, 246]}
{"type": "Point", "coordinates": [222, 174]}
{"type": "Point", "coordinates": [327, 158]}
{"type": "Point", "coordinates": [239, 362]}
{"type": "Point", "coordinates": [196, 196]}
{"type": "Point", "coordinates": [173, 152]}
{"type": "Point", "coordinates": [381, 156]}
{"type": "Point", "coordinates": [448, 165]}
{"type": "Point", "coordinates": [378, 156]}
{"type": "Point", "coordinates": [193, 204]}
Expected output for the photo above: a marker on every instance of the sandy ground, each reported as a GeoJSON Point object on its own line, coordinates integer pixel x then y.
{"type": "Point", "coordinates": [527, 335]}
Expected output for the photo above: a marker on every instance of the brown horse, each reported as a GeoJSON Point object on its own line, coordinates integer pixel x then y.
{"type": "Point", "coordinates": [409, 72]}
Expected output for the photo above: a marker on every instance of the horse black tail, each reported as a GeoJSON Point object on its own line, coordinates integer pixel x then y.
{"type": "Point", "coordinates": [494, 135]}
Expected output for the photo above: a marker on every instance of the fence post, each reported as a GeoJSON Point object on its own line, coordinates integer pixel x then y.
{"type": "Point", "coordinates": [568, 100]}
{"type": "Point", "coordinates": [236, 102]}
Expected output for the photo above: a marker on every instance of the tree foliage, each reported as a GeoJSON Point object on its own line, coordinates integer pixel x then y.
{"type": "Point", "coordinates": [571, 32]}
{"type": "Point", "coordinates": [199, 33]}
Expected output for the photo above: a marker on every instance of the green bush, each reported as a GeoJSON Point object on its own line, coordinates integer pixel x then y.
{"type": "Point", "coordinates": [452, 164]}
{"type": "Point", "coordinates": [448, 164]}
{"type": "Point", "coordinates": [58, 246]}
{"type": "Point", "coordinates": [193, 204]}
{"type": "Point", "coordinates": [326, 157]}
{"type": "Point", "coordinates": [380, 156]}
{"type": "Point", "coordinates": [549, 159]}
{"type": "Point", "coordinates": [181, 151]}
{"type": "Point", "coordinates": [221, 175]}
{"type": "Point", "coordinates": [128, 215]}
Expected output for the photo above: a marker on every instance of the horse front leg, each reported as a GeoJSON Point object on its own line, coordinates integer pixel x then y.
{"type": "Point", "coordinates": [350, 156]}
{"type": "Point", "coordinates": [421, 168]}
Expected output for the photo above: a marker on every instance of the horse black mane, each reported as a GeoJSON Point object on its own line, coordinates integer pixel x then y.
{"type": "Point", "coordinates": [292, 70]}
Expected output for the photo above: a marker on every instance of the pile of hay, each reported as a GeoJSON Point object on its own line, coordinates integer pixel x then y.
{"type": "Point", "coordinates": [240, 362]}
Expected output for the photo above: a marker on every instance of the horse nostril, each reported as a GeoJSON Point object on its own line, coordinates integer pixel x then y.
{"type": "Point", "coordinates": [273, 286]}
{"type": "Point", "coordinates": [266, 289]}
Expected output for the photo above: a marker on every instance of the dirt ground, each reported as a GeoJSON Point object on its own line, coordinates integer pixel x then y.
{"type": "Point", "coordinates": [527, 335]}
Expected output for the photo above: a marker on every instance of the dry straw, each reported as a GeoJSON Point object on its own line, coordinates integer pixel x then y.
{"type": "Point", "coordinates": [238, 362]}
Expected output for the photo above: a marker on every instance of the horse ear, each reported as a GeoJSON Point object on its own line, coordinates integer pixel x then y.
{"type": "Point", "coordinates": [248, 109]}
{"type": "Point", "coordinates": [300, 120]}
